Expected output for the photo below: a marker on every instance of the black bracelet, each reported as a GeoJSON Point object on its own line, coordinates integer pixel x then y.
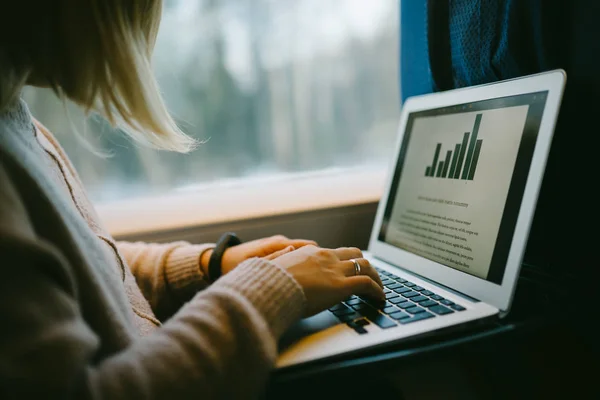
{"type": "Point", "coordinates": [226, 241]}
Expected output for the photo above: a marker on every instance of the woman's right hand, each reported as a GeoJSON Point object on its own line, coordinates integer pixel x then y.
{"type": "Point", "coordinates": [327, 276]}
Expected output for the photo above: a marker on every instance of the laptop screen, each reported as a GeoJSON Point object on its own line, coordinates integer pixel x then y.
{"type": "Point", "coordinates": [459, 181]}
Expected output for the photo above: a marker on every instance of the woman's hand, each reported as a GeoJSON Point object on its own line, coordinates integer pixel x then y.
{"type": "Point", "coordinates": [269, 248]}
{"type": "Point", "coordinates": [328, 275]}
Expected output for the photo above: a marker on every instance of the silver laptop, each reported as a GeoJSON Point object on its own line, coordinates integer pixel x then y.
{"type": "Point", "coordinates": [452, 225]}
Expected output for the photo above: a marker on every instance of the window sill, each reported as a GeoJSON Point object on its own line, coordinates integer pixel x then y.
{"type": "Point", "coordinates": [244, 198]}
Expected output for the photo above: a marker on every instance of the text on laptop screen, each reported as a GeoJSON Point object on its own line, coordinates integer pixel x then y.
{"type": "Point", "coordinates": [459, 181]}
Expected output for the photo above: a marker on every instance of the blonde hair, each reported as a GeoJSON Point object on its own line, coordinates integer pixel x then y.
{"type": "Point", "coordinates": [97, 54]}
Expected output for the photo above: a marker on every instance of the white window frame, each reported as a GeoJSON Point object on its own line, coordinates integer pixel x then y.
{"type": "Point", "coordinates": [244, 198]}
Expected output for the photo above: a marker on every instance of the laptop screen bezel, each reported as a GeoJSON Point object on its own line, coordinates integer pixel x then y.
{"type": "Point", "coordinates": [498, 295]}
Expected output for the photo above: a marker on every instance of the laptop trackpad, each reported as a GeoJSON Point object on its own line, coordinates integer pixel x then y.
{"type": "Point", "coordinates": [307, 327]}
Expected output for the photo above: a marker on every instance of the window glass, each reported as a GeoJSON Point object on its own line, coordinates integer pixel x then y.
{"type": "Point", "coordinates": [272, 87]}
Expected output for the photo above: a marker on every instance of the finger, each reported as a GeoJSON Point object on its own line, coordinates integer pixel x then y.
{"type": "Point", "coordinates": [365, 269]}
{"type": "Point", "coordinates": [297, 243]}
{"type": "Point", "coordinates": [279, 242]}
{"type": "Point", "coordinates": [281, 252]}
{"type": "Point", "coordinates": [346, 253]}
{"type": "Point", "coordinates": [363, 285]}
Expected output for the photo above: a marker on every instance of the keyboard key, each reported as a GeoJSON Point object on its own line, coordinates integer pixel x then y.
{"type": "Point", "coordinates": [408, 295]}
{"type": "Point", "coordinates": [338, 307]}
{"type": "Point", "coordinates": [354, 324]}
{"type": "Point", "coordinates": [446, 302]}
{"type": "Point", "coordinates": [397, 300]}
{"type": "Point", "coordinates": [381, 321]}
{"type": "Point", "coordinates": [415, 310]}
{"type": "Point", "coordinates": [360, 330]}
{"type": "Point", "coordinates": [358, 326]}
{"type": "Point", "coordinates": [418, 288]}
{"type": "Point", "coordinates": [344, 311]}
{"type": "Point", "coordinates": [394, 286]}
{"type": "Point", "coordinates": [373, 302]}
{"type": "Point", "coordinates": [428, 303]}
{"type": "Point", "coordinates": [353, 302]}
{"type": "Point", "coordinates": [399, 315]}
{"type": "Point", "coordinates": [390, 295]}
{"type": "Point", "coordinates": [409, 284]}
{"type": "Point", "coordinates": [386, 290]}
{"type": "Point", "coordinates": [436, 297]}
{"type": "Point", "coordinates": [419, 299]}
{"type": "Point", "coordinates": [387, 282]}
{"type": "Point", "coordinates": [427, 292]}
{"type": "Point", "coordinates": [402, 290]}
{"type": "Point", "coordinates": [417, 317]}
{"type": "Point", "coordinates": [406, 304]}
{"type": "Point", "coordinates": [349, 317]}
{"type": "Point", "coordinates": [401, 280]}
{"type": "Point", "coordinates": [440, 310]}
{"type": "Point", "coordinates": [389, 309]}
{"type": "Point", "coordinates": [456, 307]}
{"type": "Point", "coordinates": [362, 306]}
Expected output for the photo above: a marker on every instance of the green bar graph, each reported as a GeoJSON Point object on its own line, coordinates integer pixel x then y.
{"type": "Point", "coordinates": [439, 170]}
{"type": "Point", "coordinates": [475, 159]}
{"type": "Point", "coordinates": [446, 163]}
{"type": "Point", "coordinates": [454, 160]}
{"type": "Point", "coordinates": [461, 156]}
{"type": "Point", "coordinates": [435, 157]}
{"type": "Point", "coordinates": [429, 171]}
{"type": "Point", "coordinates": [462, 162]}
{"type": "Point", "coordinates": [467, 167]}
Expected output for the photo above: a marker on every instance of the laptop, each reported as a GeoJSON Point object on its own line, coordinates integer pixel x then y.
{"type": "Point", "coordinates": [452, 224]}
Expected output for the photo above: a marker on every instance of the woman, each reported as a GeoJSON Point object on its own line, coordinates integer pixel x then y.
{"type": "Point", "coordinates": [84, 316]}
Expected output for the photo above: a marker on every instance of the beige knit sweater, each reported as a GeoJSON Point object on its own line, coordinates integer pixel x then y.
{"type": "Point", "coordinates": [81, 313]}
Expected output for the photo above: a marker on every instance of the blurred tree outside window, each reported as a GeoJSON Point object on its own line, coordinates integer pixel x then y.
{"type": "Point", "coordinates": [273, 86]}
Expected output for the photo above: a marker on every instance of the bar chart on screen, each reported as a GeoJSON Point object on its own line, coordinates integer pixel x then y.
{"type": "Point", "coordinates": [460, 163]}
{"type": "Point", "coordinates": [454, 181]}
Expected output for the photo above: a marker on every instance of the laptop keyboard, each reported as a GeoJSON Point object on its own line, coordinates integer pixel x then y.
{"type": "Point", "coordinates": [405, 303]}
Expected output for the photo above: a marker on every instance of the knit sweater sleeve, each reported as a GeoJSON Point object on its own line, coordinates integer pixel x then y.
{"type": "Point", "coordinates": [168, 274]}
{"type": "Point", "coordinates": [220, 344]}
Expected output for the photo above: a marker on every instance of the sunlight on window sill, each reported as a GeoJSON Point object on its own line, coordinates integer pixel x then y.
{"type": "Point", "coordinates": [247, 198]}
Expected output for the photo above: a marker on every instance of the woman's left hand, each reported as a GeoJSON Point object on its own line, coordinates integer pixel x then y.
{"type": "Point", "coordinates": [269, 248]}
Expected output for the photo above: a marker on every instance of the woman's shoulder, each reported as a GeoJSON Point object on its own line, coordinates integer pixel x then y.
{"type": "Point", "coordinates": [20, 189]}
{"type": "Point", "coordinates": [14, 218]}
